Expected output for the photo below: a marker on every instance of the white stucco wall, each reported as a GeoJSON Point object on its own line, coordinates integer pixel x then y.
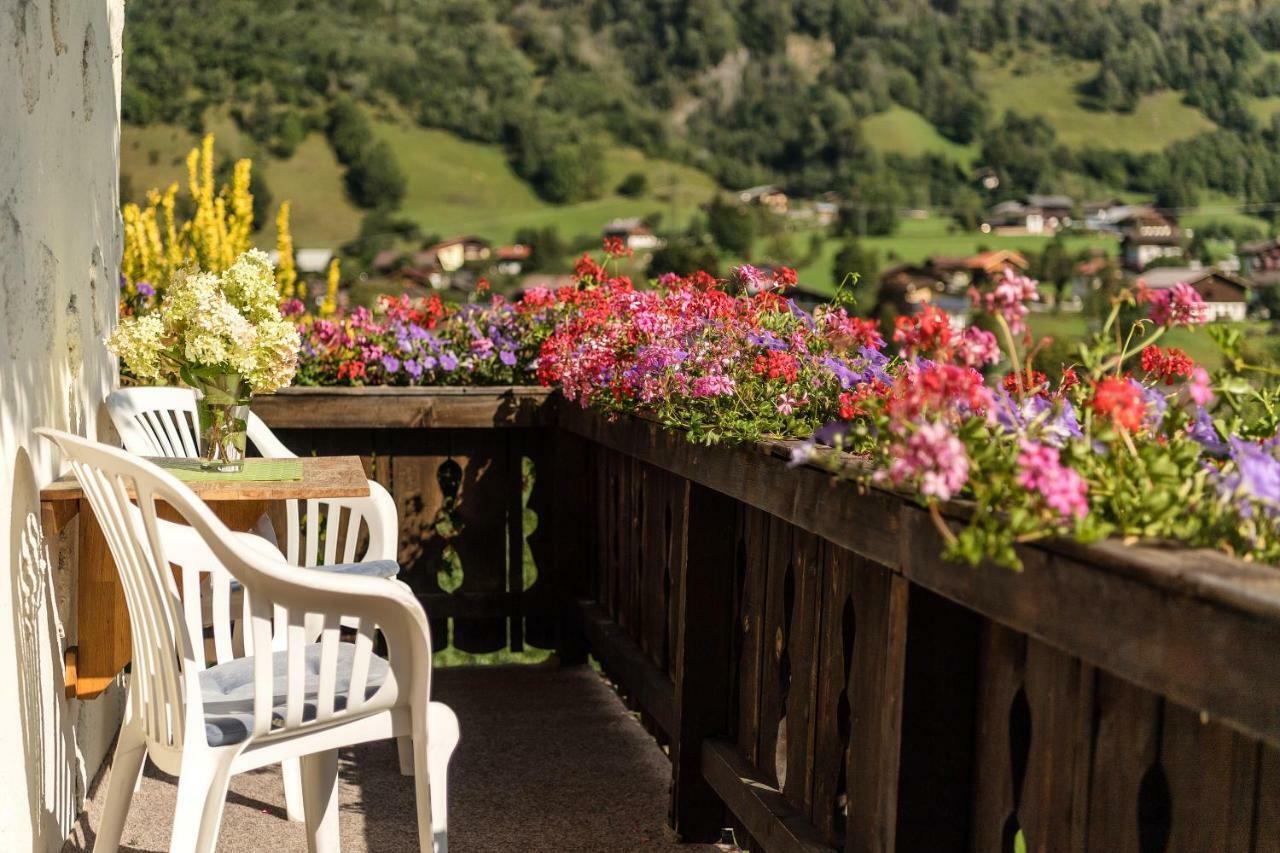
{"type": "Point", "coordinates": [59, 255]}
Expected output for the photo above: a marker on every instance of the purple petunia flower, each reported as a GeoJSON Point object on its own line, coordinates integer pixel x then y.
{"type": "Point", "coordinates": [1201, 430]}
{"type": "Point", "coordinates": [448, 361]}
{"type": "Point", "coordinates": [508, 358]}
{"type": "Point", "coordinates": [413, 368]}
{"type": "Point", "coordinates": [145, 289]}
{"type": "Point", "coordinates": [1259, 470]}
{"type": "Point", "coordinates": [390, 363]}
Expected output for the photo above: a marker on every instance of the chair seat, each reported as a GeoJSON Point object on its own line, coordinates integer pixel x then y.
{"type": "Point", "coordinates": [369, 568]}
{"type": "Point", "coordinates": [227, 691]}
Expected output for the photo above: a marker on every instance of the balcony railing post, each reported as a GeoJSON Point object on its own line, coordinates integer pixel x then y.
{"type": "Point", "coordinates": [704, 631]}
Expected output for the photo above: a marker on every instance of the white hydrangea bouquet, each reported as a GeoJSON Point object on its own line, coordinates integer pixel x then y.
{"type": "Point", "coordinates": [222, 335]}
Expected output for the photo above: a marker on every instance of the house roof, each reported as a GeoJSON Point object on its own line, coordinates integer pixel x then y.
{"type": "Point", "coordinates": [1055, 201]}
{"type": "Point", "coordinates": [385, 259]}
{"type": "Point", "coordinates": [632, 225]}
{"type": "Point", "coordinates": [516, 252]}
{"type": "Point", "coordinates": [996, 260]}
{"type": "Point", "coordinates": [1160, 278]}
{"type": "Point", "coordinates": [755, 192]}
{"type": "Point", "coordinates": [1258, 247]}
{"type": "Point", "coordinates": [1010, 207]}
{"type": "Point", "coordinates": [467, 239]}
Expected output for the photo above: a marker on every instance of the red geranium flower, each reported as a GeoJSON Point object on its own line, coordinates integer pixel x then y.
{"type": "Point", "coordinates": [1121, 402]}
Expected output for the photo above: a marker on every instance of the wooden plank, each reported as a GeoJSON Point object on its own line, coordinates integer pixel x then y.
{"type": "Point", "coordinates": [802, 641]}
{"type": "Point", "coordinates": [414, 408]}
{"type": "Point", "coordinates": [544, 495]}
{"type": "Point", "coordinates": [1126, 745]}
{"type": "Point", "coordinates": [514, 488]}
{"type": "Point", "coordinates": [1267, 819]}
{"type": "Point", "coordinates": [876, 675]}
{"type": "Point", "coordinates": [574, 518]}
{"type": "Point", "coordinates": [773, 822]}
{"type": "Point", "coordinates": [1060, 701]}
{"type": "Point", "coordinates": [752, 645]}
{"type": "Point", "coordinates": [654, 567]}
{"type": "Point", "coordinates": [1003, 746]}
{"type": "Point", "coordinates": [703, 652]}
{"type": "Point", "coordinates": [776, 663]}
{"type": "Point", "coordinates": [481, 542]}
{"type": "Point", "coordinates": [626, 663]}
{"type": "Point", "coordinates": [836, 693]}
{"type": "Point", "coordinates": [104, 644]}
{"type": "Point", "coordinates": [1210, 812]}
{"type": "Point", "coordinates": [935, 782]}
{"type": "Point", "coordinates": [416, 487]}
{"type": "Point", "coordinates": [322, 477]}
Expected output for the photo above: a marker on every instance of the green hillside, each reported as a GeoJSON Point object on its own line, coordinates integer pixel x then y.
{"type": "Point", "coordinates": [1039, 82]}
{"type": "Point", "coordinates": [456, 186]}
{"type": "Point", "coordinates": [899, 130]}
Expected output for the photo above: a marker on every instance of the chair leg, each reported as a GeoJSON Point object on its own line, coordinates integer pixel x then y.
{"type": "Point", "coordinates": [291, 773]}
{"type": "Point", "coordinates": [126, 771]}
{"type": "Point", "coordinates": [404, 745]}
{"type": "Point", "coordinates": [320, 794]}
{"type": "Point", "coordinates": [431, 764]}
{"type": "Point", "coordinates": [202, 792]}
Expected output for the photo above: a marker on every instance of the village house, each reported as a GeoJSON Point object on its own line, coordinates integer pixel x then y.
{"type": "Point", "coordinates": [765, 195]}
{"type": "Point", "coordinates": [1146, 236]}
{"type": "Point", "coordinates": [511, 259]}
{"type": "Point", "coordinates": [1225, 295]}
{"type": "Point", "coordinates": [634, 234]}
{"type": "Point", "coordinates": [907, 288]}
{"type": "Point", "coordinates": [959, 274]}
{"type": "Point", "coordinates": [452, 254]}
{"type": "Point", "coordinates": [1260, 262]}
{"type": "Point", "coordinates": [1055, 209]}
{"type": "Point", "coordinates": [1013, 216]}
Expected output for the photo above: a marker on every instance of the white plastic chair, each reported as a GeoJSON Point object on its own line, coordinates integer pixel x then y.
{"type": "Point", "coordinates": [162, 421]}
{"type": "Point", "coordinates": [271, 693]}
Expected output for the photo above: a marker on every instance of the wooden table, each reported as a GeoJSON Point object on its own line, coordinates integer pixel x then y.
{"type": "Point", "coordinates": [104, 645]}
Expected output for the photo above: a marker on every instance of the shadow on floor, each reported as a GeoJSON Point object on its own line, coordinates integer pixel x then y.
{"type": "Point", "coordinates": [550, 762]}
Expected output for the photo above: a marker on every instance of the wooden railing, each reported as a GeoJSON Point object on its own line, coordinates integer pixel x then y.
{"type": "Point", "coordinates": [822, 678]}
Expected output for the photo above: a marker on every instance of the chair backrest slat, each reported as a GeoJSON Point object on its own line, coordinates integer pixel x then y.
{"type": "Point", "coordinates": [295, 669]}
{"type": "Point", "coordinates": [360, 665]}
{"type": "Point", "coordinates": [159, 421]}
{"type": "Point", "coordinates": [330, 636]}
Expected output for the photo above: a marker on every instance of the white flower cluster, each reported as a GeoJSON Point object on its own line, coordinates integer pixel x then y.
{"type": "Point", "coordinates": [230, 322]}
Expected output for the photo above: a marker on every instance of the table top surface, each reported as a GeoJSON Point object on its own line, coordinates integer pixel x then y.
{"type": "Point", "coordinates": [322, 477]}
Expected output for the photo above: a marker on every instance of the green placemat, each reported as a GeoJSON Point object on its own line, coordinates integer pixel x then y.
{"type": "Point", "coordinates": [255, 470]}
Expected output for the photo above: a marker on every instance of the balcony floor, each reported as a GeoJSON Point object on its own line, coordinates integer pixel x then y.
{"type": "Point", "coordinates": [550, 760]}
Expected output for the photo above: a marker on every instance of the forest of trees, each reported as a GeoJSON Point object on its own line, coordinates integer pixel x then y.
{"type": "Point", "coordinates": [713, 83]}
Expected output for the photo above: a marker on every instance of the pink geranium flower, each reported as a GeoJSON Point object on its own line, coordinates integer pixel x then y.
{"type": "Point", "coordinates": [1041, 471]}
{"type": "Point", "coordinates": [1179, 305]}
{"type": "Point", "coordinates": [1009, 299]}
{"type": "Point", "coordinates": [933, 458]}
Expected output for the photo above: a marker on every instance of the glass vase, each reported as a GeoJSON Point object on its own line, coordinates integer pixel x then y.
{"type": "Point", "coordinates": [222, 406]}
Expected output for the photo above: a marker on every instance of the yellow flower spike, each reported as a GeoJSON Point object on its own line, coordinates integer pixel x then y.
{"type": "Point", "coordinates": [286, 272]}
{"type": "Point", "coordinates": [329, 306]}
